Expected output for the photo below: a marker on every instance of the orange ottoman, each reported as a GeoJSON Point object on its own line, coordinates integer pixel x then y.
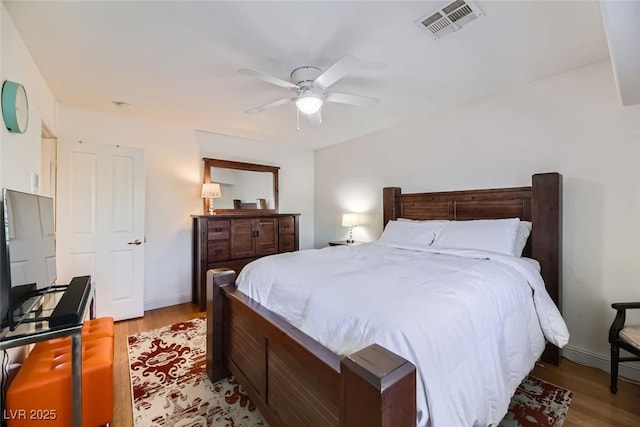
{"type": "Point", "coordinates": [94, 328]}
{"type": "Point", "coordinates": [40, 394]}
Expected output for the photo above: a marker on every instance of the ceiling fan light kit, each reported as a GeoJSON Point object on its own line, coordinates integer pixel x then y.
{"type": "Point", "coordinates": [310, 84]}
{"type": "Point", "coordinates": [308, 103]}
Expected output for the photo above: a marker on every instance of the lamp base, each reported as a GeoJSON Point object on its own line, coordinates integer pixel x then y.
{"type": "Point", "coordinates": [350, 238]}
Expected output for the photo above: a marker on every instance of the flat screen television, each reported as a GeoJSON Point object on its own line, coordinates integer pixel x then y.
{"type": "Point", "coordinates": [27, 250]}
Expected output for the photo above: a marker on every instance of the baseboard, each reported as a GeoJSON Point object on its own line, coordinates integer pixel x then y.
{"type": "Point", "coordinates": [628, 370]}
{"type": "Point", "coordinates": [152, 305]}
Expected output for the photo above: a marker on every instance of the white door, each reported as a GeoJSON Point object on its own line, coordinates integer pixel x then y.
{"type": "Point", "coordinates": [100, 223]}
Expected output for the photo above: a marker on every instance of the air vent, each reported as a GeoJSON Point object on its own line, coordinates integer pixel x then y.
{"type": "Point", "coordinates": [450, 18]}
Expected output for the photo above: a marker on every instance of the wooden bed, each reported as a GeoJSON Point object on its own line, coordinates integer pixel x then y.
{"type": "Point", "coordinates": [295, 381]}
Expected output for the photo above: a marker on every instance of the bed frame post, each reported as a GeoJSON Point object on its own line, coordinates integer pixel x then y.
{"type": "Point", "coordinates": [392, 208]}
{"type": "Point", "coordinates": [546, 240]}
{"type": "Point", "coordinates": [378, 389]}
{"type": "Point", "coordinates": [216, 358]}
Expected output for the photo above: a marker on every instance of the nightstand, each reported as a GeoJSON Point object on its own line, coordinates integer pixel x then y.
{"type": "Point", "coordinates": [343, 243]}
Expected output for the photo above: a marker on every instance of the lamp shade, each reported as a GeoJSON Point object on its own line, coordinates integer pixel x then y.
{"type": "Point", "coordinates": [211, 190]}
{"type": "Point", "coordinates": [350, 220]}
{"type": "Point", "coordinates": [308, 104]}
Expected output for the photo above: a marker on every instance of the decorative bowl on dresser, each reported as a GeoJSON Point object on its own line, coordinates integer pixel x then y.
{"type": "Point", "coordinates": [234, 240]}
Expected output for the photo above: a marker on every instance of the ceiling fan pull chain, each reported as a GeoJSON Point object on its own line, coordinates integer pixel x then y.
{"type": "Point", "coordinates": [297, 120]}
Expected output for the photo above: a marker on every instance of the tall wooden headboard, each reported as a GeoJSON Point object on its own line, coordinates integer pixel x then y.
{"type": "Point", "coordinates": [541, 203]}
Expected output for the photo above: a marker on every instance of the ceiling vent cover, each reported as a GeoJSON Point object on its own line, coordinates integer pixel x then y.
{"type": "Point", "coordinates": [450, 18]}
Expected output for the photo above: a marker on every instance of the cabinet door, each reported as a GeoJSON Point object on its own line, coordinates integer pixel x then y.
{"type": "Point", "coordinates": [266, 236]}
{"type": "Point", "coordinates": [242, 240]}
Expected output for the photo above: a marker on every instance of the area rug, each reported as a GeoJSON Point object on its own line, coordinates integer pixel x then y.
{"type": "Point", "coordinates": [170, 387]}
{"type": "Point", "coordinates": [537, 403]}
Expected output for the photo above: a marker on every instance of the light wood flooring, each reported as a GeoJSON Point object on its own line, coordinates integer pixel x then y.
{"type": "Point", "coordinates": [592, 404]}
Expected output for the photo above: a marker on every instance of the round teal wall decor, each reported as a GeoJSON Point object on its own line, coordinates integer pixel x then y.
{"type": "Point", "coordinates": [15, 107]}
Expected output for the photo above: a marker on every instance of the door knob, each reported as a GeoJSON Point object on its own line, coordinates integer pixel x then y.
{"type": "Point", "coordinates": [135, 242]}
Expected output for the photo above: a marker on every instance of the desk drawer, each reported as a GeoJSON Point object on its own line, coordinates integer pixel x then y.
{"type": "Point", "coordinates": [218, 230]}
{"type": "Point", "coordinates": [217, 250]}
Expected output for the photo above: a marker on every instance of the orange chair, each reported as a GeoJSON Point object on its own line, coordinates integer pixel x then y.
{"type": "Point", "coordinates": [40, 394]}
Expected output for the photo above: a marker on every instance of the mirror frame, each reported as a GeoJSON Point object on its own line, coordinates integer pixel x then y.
{"type": "Point", "coordinates": [254, 167]}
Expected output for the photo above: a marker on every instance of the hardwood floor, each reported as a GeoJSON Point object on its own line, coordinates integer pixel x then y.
{"type": "Point", "coordinates": [592, 403]}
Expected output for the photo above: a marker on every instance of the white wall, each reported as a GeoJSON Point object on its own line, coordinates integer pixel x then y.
{"type": "Point", "coordinates": [20, 153]}
{"type": "Point", "coordinates": [572, 123]}
{"type": "Point", "coordinates": [295, 176]}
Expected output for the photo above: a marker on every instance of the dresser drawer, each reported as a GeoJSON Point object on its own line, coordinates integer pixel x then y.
{"type": "Point", "coordinates": [287, 225]}
{"type": "Point", "coordinates": [217, 250]}
{"type": "Point", "coordinates": [218, 230]}
{"type": "Point", "coordinates": [287, 243]}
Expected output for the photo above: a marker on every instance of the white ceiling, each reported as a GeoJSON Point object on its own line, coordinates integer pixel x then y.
{"type": "Point", "coordinates": [177, 61]}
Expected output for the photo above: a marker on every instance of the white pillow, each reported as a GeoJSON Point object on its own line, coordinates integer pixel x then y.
{"type": "Point", "coordinates": [434, 225]}
{"type": "Point", "coordinates": [522, 235]}
{"type": "Point", "coordinates": [434, 222]}
{"type": "Point", "coordinates": [407, 235]}
{"type": "Point", "coordinates": [495, 235]}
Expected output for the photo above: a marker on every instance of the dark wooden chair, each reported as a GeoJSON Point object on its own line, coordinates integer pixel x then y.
{"type": "Point", "coordinates": [623, 336]}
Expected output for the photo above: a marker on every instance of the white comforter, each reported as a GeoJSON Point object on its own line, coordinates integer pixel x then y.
{"type": "Point", "coordinates": [472, 322]}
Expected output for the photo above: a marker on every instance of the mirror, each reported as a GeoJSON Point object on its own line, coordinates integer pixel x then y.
{"type": "Point", "coordinates": [244, 187]}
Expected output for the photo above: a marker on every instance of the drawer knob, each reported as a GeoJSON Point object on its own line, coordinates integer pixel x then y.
{"type": "Point", "coordinates": [287, 226]}
{"type": "Point", "coordinates": [218, 251]}
{"type": "Point", "coordinates": [218, 229]}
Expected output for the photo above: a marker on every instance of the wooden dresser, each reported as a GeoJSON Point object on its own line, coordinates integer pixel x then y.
{"type": "Point", "coordinates": [234, 240]}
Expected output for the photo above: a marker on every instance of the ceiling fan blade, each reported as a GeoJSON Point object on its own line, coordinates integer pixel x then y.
{"type": "Point", "coordinates": [358, 100]}
{"type": "Point", "coordinates": [273, 104]}
{"type": "Point", "coordinates": [267, 78]}
{"type": "Point", "coordinates": [337, 71]}
{"type": "Point", "coordinates": [315, 118]}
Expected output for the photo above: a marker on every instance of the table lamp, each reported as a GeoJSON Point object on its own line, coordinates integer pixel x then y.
{"type": "Point", "coordinates": [350, 220]}
{"type": "Point", "coordinates": [211, 191]}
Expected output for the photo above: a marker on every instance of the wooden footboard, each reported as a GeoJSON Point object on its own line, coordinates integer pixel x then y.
{"type": "Point", "coordinates": [294, 380]}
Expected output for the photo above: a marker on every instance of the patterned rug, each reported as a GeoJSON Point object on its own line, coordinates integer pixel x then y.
{"type": "Point", "coordinates": [170, 387]}
{"type": "Point", "coordinates": [537, 403]}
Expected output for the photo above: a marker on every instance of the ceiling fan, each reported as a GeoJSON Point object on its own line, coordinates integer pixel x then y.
{"type": "Point", "coordinates": [310, 85]}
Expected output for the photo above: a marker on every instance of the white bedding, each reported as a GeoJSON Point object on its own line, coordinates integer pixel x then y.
{"type": "Point", "coordinates": [466, 319]}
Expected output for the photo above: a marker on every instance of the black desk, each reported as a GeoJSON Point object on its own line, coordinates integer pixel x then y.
{"type": "Point", "coordinates": [35, 328]}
